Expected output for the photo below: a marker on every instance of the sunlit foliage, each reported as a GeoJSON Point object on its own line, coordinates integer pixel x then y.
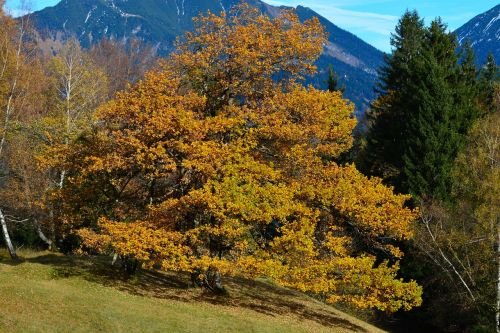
{"type": "Point", "coordinates": [223, 159]}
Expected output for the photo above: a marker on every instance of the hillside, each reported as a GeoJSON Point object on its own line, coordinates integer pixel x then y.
{"type": "Point", "coordinates": [52, 293]}
{"type": "Point", "coordinates": [483, 32]}
{"type": "Point", "coordinates": [159, 22]}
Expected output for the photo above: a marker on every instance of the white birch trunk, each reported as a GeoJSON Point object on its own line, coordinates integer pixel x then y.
{"type": "Point", "coordinates": [42, 236]}
{"type": "Point", "coordinates": [115, 258]}
{"type": "Point", "coordinates": [6, 236]}
{"type": "Point", "coordinates": [448, 261]}
{"type": "Point", "coordinates": [497, 314]}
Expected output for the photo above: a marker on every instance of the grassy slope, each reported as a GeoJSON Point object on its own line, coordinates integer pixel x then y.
{"type": "Point", "coordinates": [51, 293]}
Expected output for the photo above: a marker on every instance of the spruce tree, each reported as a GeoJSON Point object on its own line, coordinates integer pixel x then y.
{"type": "Point", "coordinates": [443, 107]}
{"type": "Point", "coordinates": [430, 143]}
{"type": "Point", "coordinates": [489, 78]}
{"type": "Point", "coordinates": [333, 81]}
{"type": "Point", "coordinates": [428, 99]}
{"type": "Point", "coordinates": [466, 89]}
{"type": "Point", "coordinates": [383, 152]}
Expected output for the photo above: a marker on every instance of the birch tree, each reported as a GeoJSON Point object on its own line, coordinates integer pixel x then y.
{"type": "Point", "coordinates": [463, 241]}
{"type": "Point", "coordinates": [18, 69]}
{"type": "Point", "coordinates": [77, 87]}
{"type": "Point", "coordinates": [478, 176]}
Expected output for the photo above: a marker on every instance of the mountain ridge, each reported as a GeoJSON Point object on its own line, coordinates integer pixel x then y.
{"type": "Point", "coordinates": [483, 33]}
{"type": "Point", "coordinates": [159, 22]}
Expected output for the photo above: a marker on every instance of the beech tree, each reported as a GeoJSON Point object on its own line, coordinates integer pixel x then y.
{"type": "Point", "coordinates": [223, 161]}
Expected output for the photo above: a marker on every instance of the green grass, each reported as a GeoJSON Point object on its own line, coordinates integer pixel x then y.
{"type": "Point", "coordinates": [46, 292]}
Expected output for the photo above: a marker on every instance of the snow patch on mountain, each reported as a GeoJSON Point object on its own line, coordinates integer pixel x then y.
{"type": "Point", "coordinates": [483, 34]}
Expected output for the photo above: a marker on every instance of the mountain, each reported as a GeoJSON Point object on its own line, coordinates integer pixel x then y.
{"type": "Point", "coordinates": [483, 32]}
{"type": "Point", "coordinates": [355, 62]}
{"type": "Point", "coordinates": [159, 22]}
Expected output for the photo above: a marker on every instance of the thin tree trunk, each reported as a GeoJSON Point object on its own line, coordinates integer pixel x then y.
{"type": "Point", "coordinates": [61, 179]}
{"type": "Point", "coordinates": [42, 236]}
{"type": "Point", "coordinates": [497, 315]}
{"type": "Point", "coordinates": [8, 242]}
{"type": "Point", "coordinates": [115, 258]}
{"type": "Point", "coordinates": [448, 261]}
{"type": "Point", "coordinates": [13, 89]}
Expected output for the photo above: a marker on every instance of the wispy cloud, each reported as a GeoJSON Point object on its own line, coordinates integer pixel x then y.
{"type": "Point", "coordinates": [341, 13]}
{"type": "Point", "coordinates": [337, 12]}
{"type": "Point", "coordinates": [367, 21]}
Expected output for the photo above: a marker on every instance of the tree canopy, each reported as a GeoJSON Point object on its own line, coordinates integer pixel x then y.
{"type": "Point", "coordinates": [222, 160]}
{"type": "Point", "coordinates": [428, 99]}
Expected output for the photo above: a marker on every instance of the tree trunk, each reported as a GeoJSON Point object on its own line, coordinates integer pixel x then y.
{"type": "Point", "coordinates": [43, 237]}
{"type": "Point", "coordinates": [8, 242]}
{"type": "Point", "coordinates": [497, 315]}
{"type": "Point", "coordinates": [213, 280]}
{"type": "Point", "coordinates": [447, 260]}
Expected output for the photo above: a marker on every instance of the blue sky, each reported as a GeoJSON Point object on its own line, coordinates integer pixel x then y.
{"type": "Point", "coordinates": [372, 20]}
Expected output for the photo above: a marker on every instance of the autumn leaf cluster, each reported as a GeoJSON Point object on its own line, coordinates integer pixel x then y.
{"type": "Point", "coordinates": [223, 159]}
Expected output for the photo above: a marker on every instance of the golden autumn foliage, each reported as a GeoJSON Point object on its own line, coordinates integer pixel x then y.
{"type": "Point", "coordinates": [22, 101]}
{"type": "Point", "coordinates": [223, 159]}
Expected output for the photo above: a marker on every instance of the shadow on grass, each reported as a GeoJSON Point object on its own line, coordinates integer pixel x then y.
{"type": "Point", "coordinates": [12, 262]}
{"type": "Point", "coordinates": [242, 293]}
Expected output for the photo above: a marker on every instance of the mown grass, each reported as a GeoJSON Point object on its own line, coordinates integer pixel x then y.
{"type": "Point", "coordinates": [47, 292]}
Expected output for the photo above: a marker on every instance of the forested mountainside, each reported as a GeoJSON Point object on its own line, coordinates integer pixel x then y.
{"type": "Point", "coordinates": [160, 22]}
{"type": "Point", "coordinates": [483, 33]}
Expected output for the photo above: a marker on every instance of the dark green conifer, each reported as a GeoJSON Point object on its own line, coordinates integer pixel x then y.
{"type": "Point", "coordinates": [383, 152]}
{"type": "Point", "coordinates": [489, 78]}
{"type": "Point", "coordinates": [427, 101]}
{"type": "Point", "coordinates": [430, 144]}
{"type": "Point", "coordinates": [333, 81]}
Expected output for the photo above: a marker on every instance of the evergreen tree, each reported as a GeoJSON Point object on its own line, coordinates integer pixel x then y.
{"type": "Point", "coordinates": [382, 155]}
{"type": "Point", "coordinates": [489, 78]}
{"type": "Point", "coordinates": [333, 81]}
{"type": "Point", "coordinates": [427, 101]}
{"type": "Point", "coordinates": [431, 141]}
{"type": "Point", "coordinates": [466, 90]}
